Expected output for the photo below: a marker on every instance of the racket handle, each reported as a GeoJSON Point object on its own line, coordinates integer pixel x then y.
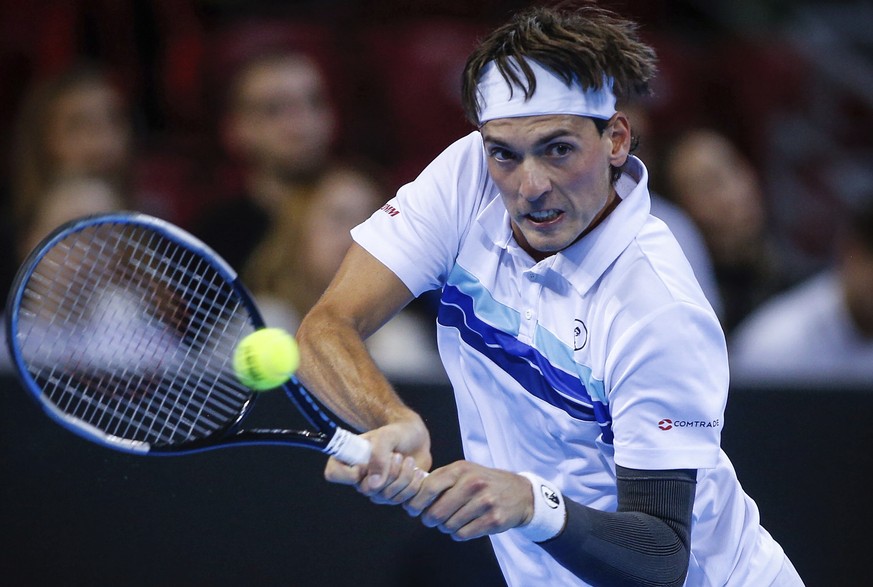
{"type": "Point", "coordinates": [348, 447]}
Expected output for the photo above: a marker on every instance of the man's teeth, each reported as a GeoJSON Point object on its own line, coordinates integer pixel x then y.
{"type": "Point", "coordinates": [543, 216]}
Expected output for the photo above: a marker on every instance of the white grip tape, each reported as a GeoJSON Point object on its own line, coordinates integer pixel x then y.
{"type": "Point", "coordinates": [349, 448]}
{"type": "Point", "coordinates": [549, 510]}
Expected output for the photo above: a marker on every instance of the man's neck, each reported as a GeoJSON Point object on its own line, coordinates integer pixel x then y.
{"type": "Point", "coordinates": [611, 204]}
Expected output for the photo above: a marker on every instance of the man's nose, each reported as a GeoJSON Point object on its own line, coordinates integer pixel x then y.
{"type": "Point", "coordinates": [534, 181]}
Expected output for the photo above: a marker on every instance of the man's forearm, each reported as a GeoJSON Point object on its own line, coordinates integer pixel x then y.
{"type": "Point", "coordinates": [646, 542]}
{"type": "Point", "coordinates": [336, 366]}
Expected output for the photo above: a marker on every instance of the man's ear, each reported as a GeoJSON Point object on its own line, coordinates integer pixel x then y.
{"type": "Point", "coordinates": [618, 132]}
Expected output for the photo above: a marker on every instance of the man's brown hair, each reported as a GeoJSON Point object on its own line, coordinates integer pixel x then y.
{"type": "Point", "coordinates": [584, 43]}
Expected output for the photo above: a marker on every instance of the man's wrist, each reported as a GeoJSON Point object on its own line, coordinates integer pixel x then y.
{"type": "Point", "coordinates": [550, 512]}
{"type": "Point", "coordinates": [399, 414]}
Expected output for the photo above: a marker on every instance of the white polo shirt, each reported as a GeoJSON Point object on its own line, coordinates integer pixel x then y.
{"type": "Point", "coordinates": [606, 352]}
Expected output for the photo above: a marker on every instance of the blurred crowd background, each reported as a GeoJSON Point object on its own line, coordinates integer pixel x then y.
{"type": "Point", "coordinates": [271, 127]}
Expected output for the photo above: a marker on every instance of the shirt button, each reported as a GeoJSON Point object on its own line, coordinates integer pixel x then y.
{"type": "Point", "coordinates": [528, 314]}
{"type": "Point", "coordinates": [532, 276]}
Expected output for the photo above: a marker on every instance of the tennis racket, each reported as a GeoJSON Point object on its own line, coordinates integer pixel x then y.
{"type": "Point", "coordinates": [123, 327]}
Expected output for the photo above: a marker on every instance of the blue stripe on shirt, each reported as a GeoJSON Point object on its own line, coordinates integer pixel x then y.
{"type": "Point", "coordinates": [522, 362]}
{"type": "Point", "coordinates": [491, 329]}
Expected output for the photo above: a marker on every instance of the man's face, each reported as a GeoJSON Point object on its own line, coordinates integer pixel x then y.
{"type": "Point", "coordinates": [720, 190]}
{"type": "Point", "coordinates": [284, 120]}
{"type": "Point", "coordinates": [553, 173]}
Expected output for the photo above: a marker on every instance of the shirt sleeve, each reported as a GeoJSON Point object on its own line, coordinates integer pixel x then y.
{"type": "Point", "coordinates": [669, 382]}
{"type": "Point", "coordinates": [417, 234]}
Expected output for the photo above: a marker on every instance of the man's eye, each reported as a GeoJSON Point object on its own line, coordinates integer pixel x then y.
{"type": "Point", "coordinates": [501, 155]}
{"type": "Point", "coordinates": [559, 150]}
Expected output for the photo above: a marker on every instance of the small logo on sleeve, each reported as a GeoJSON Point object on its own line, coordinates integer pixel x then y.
{"type": "Point", "coordinates": [669, 424]}
{"type": "Point", "coordinates": [551, 496]}
{"type": "Point", "coordinates": [390, 210]}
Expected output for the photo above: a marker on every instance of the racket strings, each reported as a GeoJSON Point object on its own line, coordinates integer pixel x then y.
{"type": "Point", "coordinates": [163, 275]}
{"type": "Point", "coordinates": [143, 329]}
{"type": "Point", "coordinates": [163, 264]}
{"type": "Point", "coordinates": [72, 311]}
{"type": "Point", "coordinates": [208, 322]}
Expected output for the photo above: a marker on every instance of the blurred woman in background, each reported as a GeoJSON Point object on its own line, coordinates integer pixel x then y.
{"type": "Point", "coordinates": [74, 124]}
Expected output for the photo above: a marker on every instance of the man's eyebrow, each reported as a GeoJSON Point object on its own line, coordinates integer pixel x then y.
{"type": "Point", "coordinates": [558, 133]}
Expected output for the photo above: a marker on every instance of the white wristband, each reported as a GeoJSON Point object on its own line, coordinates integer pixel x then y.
{"type": "Point", "coordinates": [549, 510]}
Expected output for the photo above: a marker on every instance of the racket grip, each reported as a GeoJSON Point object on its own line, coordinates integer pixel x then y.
{"type": "Point", "coordinates": [348, 447]}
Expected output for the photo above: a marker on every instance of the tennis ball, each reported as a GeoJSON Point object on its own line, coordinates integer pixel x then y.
{"type": "Point", "coordinates": [266, 358]}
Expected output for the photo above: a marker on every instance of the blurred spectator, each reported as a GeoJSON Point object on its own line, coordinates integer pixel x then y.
{"type": "Point", "coordinates": [277, 127]}
{"type": "Point", "coordinates": [288, 230]}
{"type": "Point", "coordinates": [71, 197]}
{"type": "Point", "coordinates": [72, 124]}
{"type": "Point", "coordinates": [75, 123]}
{"type": "Point", "coordinates": [820, 332]}
{"type": "Point", "coordinates": [281, 123]}
{"type": "Point", "coordinates": [719, 189]}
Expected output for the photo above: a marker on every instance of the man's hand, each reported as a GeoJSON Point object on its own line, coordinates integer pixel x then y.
{"type": "Point", "coordinates": [398, 461]}
{"type": "Point", "coordinates": [467, 500]}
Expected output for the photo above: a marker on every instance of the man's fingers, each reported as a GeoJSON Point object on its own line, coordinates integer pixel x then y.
{"type": "Point", "coordinates": [416, 477]}
{"type": "Point", "coordinates": [391, 475]}
{"type": "Point", "coordinates": [404, 485]}
{"type": "Point", "coordinates": [432, 487]}
{"type": "Point", "coordinates": [376, 486]}
{"type": "Point", "coordinates": [339, 472]}
{"type": "Point", "coordinates": [385, 461]}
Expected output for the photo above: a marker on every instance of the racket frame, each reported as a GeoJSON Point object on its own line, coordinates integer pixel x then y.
{"type": "Point", "coordinates": [327, 437]}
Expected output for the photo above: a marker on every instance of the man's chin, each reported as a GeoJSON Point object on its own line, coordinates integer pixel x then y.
{"type": "Point", "coordinates": [540, 249]}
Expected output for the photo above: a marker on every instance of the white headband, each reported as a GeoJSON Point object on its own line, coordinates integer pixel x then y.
{"type": "Point", "coordinates": [552, 96]}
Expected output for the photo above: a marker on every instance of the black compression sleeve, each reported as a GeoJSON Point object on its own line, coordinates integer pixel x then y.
{"type": "Point", "coordinates": [646, 542]}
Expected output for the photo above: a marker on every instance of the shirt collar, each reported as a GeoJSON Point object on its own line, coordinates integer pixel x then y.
{"type": "Point", "coordinates": [494, 220]}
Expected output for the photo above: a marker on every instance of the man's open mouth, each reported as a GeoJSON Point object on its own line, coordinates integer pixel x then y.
{"type": "Point", "coordinates": [544, 216]}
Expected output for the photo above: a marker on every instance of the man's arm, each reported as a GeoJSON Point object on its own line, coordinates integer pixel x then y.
{"type": "Point", "coordinates": [645, 542]}
{"type": "Point", "coordinates": [336, 367]}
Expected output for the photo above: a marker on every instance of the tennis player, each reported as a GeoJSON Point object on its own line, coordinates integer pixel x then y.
{"type": "Point", "coordinates": [589, 370]}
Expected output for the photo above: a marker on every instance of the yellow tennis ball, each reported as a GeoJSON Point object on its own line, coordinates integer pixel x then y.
{"type": "Point", "coordinates": [266, 358]}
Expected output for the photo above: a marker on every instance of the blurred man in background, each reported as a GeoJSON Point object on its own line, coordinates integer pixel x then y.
{"type": "Point", "coordinates": [819, 333]}
{"type": "Point", "coordinates": [719, 188]}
